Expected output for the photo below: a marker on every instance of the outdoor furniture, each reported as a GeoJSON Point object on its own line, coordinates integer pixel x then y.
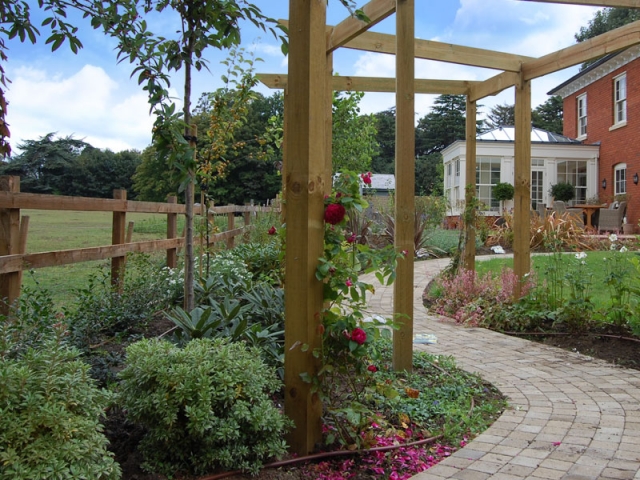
{"type": "Point", "coordinates": [559, 207]}
{"type": "Point", "coordinates": [611, 218]}
{"type": "Point", "coordinates": [589, 211]}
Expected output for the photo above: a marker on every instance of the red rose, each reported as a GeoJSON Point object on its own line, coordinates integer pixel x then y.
{"type": "Point", "coordinates": [372, 368]}
{"type": "Point", "coordinates": [272, 231]}
{"type": "Point", "coordinates": [351, 238]}
{"type": "Point", "coordinates": [334, 213]}
{"type": "Point", "coordinates": [366, 178]}
{"type": "Point", "coordinates": [359, 336]}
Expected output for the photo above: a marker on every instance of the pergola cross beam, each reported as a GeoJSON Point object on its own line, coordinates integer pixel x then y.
{"type": "Point", "coordinates": [351, 27]}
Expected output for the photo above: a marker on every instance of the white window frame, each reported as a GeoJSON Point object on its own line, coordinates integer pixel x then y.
{"type": "Point", "coordinates": [485, 165]}
{"type": "Point", "coordinates": [448, 176]}
{"type": "Point", "coordinates": [620, 179]}
{"type": "Point", "coordinates": [457, 180]}
{"type": "Point", "coordinates": [581, 103]}
{"type": "Point", "coordinates": [620, 99]}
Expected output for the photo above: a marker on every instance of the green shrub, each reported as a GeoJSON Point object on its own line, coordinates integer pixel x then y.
{"type": "Point", "coordinates": [49, 417]}
{"type": "Point", "coordinates": [263, 260]}
{"type": "Point", "coordinates": [563, 191]}
{"type": "Point", "coordinates": [206, 406]}
{"type": "Point", "coordinates": [503, 191]}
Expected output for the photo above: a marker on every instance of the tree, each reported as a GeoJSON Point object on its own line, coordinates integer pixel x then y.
{"type": "Point", "coordinates": [548, 115]}
{"type": "Point", "coordinates": [203, 25]}
{"type": "Point", "coordinates": [43, 163]}
{"type": "Point", "coordinates": [354, 135]}
{"type": "Point", "coordinates": [429, 175]}
{"type": "Point", "coordinates": [604, 21]}
{"type": "Point", "coordinates": [16, 22]}
{"type": "Point", "coordinates": [154, 180]}
{"type": "Point", "coordinates": [500, 116]}
{"type": "Point", "coordinates": [443, 125]}
{"type": "Point", "coordinates": [384, 160]}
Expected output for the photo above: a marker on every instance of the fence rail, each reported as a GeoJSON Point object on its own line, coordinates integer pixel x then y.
{"type": "Point", "coordinates": [13, 232]}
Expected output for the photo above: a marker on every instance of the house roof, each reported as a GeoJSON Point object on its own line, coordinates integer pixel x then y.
{"type": "Point", "coordinates": [507, 134]}
{"type": "Point", "coordinates": [596, 71]}
{"type": "Point", "coordinates": [383, 181]}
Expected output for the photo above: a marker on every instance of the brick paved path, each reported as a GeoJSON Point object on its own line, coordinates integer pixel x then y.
{"type": "Point", "coordinates": [570, 417]}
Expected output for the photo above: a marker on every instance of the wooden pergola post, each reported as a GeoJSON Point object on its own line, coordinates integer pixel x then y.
{"type": "Point", "coordinates": [304, 194]}
{"type": "Point", "coordinates": [522, 177]}
{"type": "Point", "coordinates": [470, 187]}
{"type": "Point", "coordinates": [405, 184]}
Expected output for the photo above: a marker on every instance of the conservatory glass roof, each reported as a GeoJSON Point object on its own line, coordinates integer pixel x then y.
{"type": "Point", "coordinates": [507, 134]}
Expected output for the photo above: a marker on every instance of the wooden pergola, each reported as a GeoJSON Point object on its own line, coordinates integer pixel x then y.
{"type": "Point", "coordinates": [307, 159]}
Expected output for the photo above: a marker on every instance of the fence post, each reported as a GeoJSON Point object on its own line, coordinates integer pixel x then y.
{"type": "Point", "coordinates": [230, 226]}
{"type": "Point", "coordinates": [9, 244]}
{"type": "Point", "coordinates": [247, 224]}
{"type": "Point", "coordinates": [172, 232]}
{"type": "Point", "coordinates": [118, 233]}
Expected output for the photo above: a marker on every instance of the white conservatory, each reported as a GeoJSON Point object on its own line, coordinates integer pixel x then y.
{"type": "Point", "coordinates": [554, 159]}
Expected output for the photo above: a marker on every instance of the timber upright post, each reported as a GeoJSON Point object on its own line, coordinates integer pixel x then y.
{"type": "Point", "coordinates": [522, 196]}
{"type": "Point", "coordinates": [304, 195]}
{"type": "Point", "coordinates": [118, 236]}
{"type": "Point", "coordinates": [470, 189]}
{"type": "Point", "coordinates": [9, 245]}
{"type": "Point", "coordinates": [405, 184]}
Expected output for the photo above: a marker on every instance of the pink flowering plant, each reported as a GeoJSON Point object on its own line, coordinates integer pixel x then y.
{"type": "Point", "coordinates": [345, 355]}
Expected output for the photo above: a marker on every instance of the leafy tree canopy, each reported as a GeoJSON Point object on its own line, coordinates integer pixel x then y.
{"type": "Point", "coordinates": [354, 135]}
{"type": "Point", "coordinates": [500, 116]}
{"type": "Point", "coordinates": [548, 115]}
{"type": "Point", "coordinates": [384, 160]}
{"type": "Point", "coordinates": [604, 21]}
{"type": "Point", "coordinates": [68, 166]}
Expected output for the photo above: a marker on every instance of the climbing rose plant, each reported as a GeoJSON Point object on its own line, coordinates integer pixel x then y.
{"type": "Point", "coordinates": [348, 330]}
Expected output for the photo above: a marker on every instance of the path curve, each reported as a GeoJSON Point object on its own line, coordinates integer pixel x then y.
{"type": "Point", "coordinates": [571, 417]}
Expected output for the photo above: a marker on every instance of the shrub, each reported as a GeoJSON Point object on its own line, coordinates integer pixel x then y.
{"type": "Point", "coordinates": [49, 417]}
{"type": "Point", "coordinates": [563, 191]}
{"type": "Point", "coordinates": [206, 406]}
{"type": "Point", "coordinates": [503, 191]}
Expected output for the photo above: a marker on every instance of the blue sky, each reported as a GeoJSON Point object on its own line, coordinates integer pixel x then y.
{"type": "Point", "coordinates": [91, 97]}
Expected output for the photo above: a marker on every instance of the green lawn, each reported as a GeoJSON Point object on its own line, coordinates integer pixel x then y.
{"type": "Point", "coordinates": [596, 267]}
{"type": "Point", "coordinates": [62, 230]}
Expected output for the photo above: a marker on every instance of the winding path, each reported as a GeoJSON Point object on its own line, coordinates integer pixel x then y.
{"type": "Point", "coordinates": [571, 417]}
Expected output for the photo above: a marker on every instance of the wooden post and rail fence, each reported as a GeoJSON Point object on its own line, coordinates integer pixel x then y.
{"type": "Point", "coordinates": [13, 233]}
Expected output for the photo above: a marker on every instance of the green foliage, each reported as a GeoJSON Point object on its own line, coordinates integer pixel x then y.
{"type": "Point", "coordinates": [50, 413]}
{"type": "Point", "coordinates": [354, 135]}
{"type": "Point", "coordinates": [154, 179]}
{"type": "Point", "coordinates": [429, 175]}
{"type": "Point", "coordinates": [500, 116]}
{"type": "Point", "coordinates": [549, 115]}
{"type": "Point", "coordinates": [66, 166]}
{"type": "Point", "coordinates": [30, 323]}
{"type": "Point", "coordinates": [563, 191]}
{"type": "Point", "coordinates": [443, 125]}
{"type": "Point", "coordinates": [263, 260]}
{"type": "Point", "coordinates": [438, 397]}
{"type": "Point", "coordinates": [204, 406]}
{"type": "Point", "coordinates": [503, 191]}
{"type": "Point", "coordinates": [604, 21]}
{"type": "Point", "coordinates": [384, 160]}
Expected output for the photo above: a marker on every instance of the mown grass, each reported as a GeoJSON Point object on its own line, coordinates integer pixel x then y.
{"type": "Point", "coordinates": [595, 267]}
{"type": "Point", "coordinates": [64, 230]}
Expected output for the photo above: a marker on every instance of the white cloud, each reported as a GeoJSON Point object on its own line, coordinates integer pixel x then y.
{"type": "Point", "coordinates": [89, 105]}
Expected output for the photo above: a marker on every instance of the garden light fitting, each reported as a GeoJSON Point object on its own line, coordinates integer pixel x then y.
{"type": "Point", "coordinates": [604, 183]}
{"type": "Point", "coordinates": [635, 179]}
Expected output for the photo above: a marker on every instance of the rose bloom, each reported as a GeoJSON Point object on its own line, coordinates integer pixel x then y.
{"type": "Point", "coordinates": [272, 231]}
{"type": "Point", "coordinates": [366, 178]}
{"type": "Point", "coordinates": [372, 368]}
{"type": "Point", "coordinates": [334, 213]}
{"type": "Point", "coordinates": [351, 238]}
{"type": "Point", "coordinates": [359, 336]}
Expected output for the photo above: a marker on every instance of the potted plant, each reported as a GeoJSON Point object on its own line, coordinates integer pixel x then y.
{"type": "Point", "coordinates": [563, 192]}
{"type": "Point", "coordinates": [503, 191]}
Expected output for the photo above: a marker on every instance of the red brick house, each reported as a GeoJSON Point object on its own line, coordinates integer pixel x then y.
{"type": "Point", "coordinates": [602, 106]}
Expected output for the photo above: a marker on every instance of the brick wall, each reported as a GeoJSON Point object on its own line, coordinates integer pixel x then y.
{"type": "Point", "coordinates": [621, 145]}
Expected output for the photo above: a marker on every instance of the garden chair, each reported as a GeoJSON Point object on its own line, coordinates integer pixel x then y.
{"type": "Point", "coordinates": [559, 207]}
{"type": "Point", "coordinates": [611, 218]}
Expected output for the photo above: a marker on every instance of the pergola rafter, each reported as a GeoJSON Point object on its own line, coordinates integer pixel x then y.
{"type": "Point", "coordinates": [307, 154]}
